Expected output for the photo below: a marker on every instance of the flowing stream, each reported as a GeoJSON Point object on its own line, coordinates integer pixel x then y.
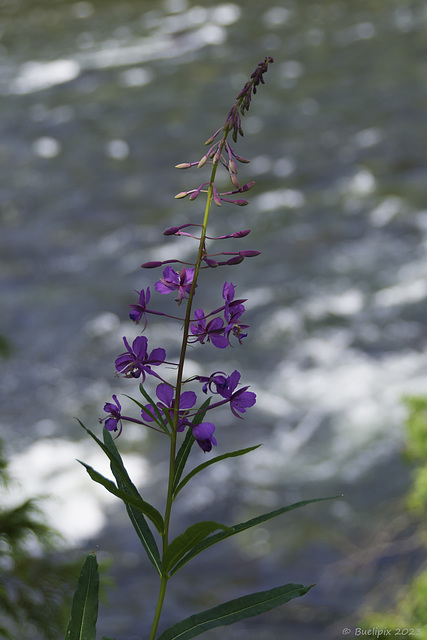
{"type": "Point", "coordinates": [99, 101]}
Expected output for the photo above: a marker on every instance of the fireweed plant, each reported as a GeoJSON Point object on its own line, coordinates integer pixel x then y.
{"type": "Point", "coordinates": [182, 415]}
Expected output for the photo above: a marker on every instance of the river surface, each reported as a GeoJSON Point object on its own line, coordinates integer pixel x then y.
{"type": "Point", "coordinates": [99, 101]}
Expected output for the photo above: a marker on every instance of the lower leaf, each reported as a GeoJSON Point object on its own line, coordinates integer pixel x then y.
{"type": "Point", "coordinates": [233, 611]}
{"type": "Point", "coordinates": [84, 610]}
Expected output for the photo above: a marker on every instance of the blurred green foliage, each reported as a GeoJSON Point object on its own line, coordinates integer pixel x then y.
{"type": "Point", "coordinates": [410, 611]}
{"type": "Point", "coordinates": [36, 581]}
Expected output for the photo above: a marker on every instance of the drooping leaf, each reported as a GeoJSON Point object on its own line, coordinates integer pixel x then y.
{"type": "Point", "coordinates": [136, 517]}
{"type": "Point", "coordinates": [233, 611]}
{"type": "Point", "coordinates": [187, 540]}
{"type": "Point", "coordinates": [145, 507]}
{"type": "Point", "coordinates": [84, 610]}
{"type": "Point", "coordinates": [189, 440]}
{"type": "Point", "coordinates": [238, 528]}
{"type": "Point", "coordinates": [224, 456]}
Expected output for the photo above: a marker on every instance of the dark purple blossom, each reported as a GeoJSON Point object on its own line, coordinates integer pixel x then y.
{"type": "Point", "coordinates": [114, 420]}
{"type": "Point", "coordinates": [233, 310]}
{"type": "Point", "coordinates": [212, 331]}
{"type": "Point", "coordinates": [241, 399]}
{"type": "Point", "coordinates": [139, 309]}
{"type": "Point", "coordinates": [136, 362]}
{"type": "Point", "coordinates": [204, 435]}
{"type": "Point", "coordinates": [166, 395]}
{"type": "Point", "coordinates": [173, 281]}
{"type": "Point", "coordinates": [219, 379]}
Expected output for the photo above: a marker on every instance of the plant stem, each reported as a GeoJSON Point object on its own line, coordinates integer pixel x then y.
{"type": "Point", "coordinates": [179, 377]}
{"type": "Point", "coordinates": [160, 600]}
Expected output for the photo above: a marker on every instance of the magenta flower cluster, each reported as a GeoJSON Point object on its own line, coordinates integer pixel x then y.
{"type": "Point", "coordinates": [221, 327]}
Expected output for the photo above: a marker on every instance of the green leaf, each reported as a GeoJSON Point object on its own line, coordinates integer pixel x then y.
{"type": "Point", "coordinates": [140, 504]}
{"type": "Point", "coordinates": [124, 483]}
{"type": "Point", "coordinates": [187, 540]}
{"type": "Point", "coordinates": [238, 528]}
{"type": "Point", "coordinates": [84, 610]}
{"type": "Point", "coordinates": [231, 454]}
{"type": "Point", "coordinates": [233, 611]}
{"type": "Point", "coordinates": [182, 456]}
{"type": "Point", "coordinates": [136, 517]}
{"type": "Point", "coordinates": [185, 448]}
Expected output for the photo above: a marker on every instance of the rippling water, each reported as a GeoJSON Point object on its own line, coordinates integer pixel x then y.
{"type": "Point", "coordinates": [99, 101]}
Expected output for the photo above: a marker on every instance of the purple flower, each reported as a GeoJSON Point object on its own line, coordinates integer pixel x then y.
{"type": "Point", "coordinates": [239, 400]}
{"type": "Point", "coordinates": [166, 395]}
{"type": "Point", "coordinates": [233, 309]}
{"type": "Point", "coordinates": [136, 362]}
{"type": "Point", "coordinates": [218, 379]}
{"type": "Point", "coordinates": [213, 331]}
{"type": "Point", "coordinates": [115, 419]}
{"type": "Point", "coordinates": [204, 435]}
{"type": "Point", "coordinates": [138, 310]}
{"type": "Point", "coordinates": [173, 281]}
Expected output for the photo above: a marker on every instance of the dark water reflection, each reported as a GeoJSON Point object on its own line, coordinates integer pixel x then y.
{"type": "Point", "coordinates": [99, 101]}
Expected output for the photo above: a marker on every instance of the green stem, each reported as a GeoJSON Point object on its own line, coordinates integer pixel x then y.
{"type": "Point", "coordinates": [179, 377]}
{"type": "Point", "coordinates": [159, 607]}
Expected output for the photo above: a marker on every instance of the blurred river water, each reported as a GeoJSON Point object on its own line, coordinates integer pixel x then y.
{"type": "Point", "coordinates": [99, 101]}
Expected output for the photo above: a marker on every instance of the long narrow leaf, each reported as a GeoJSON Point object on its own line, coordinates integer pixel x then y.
{"type": "Point", "coordinates": [184, 451]}
{"type": "Point", "coordinates": [238, 528]}
{"type": "Point", "coordinates": [193, 472]}
{"type": "Point", "coordinates": [233, 611]}
{"type": "Point", "coordinates": [145, 507]}
{"type": "Point", "coordinates": [136, 517]}
{"type": "Point", "coordinates": [124, 483]}
{"type": "Point", "coordinates": [187, 540]}
{"type": "Point", "coordinates": [182, 456]}
{"type": "Point", "coordinates": [84, 610]}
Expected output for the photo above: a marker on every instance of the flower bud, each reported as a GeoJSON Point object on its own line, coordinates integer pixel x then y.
{"type": "Point", "coordinates": [235, 181]}
{"type": "Point", "coordinates": [241, 234]}
{"type": "Point", "coordinates": [171, 231]}
{"type": "Point", "coordinates": [235, 260]}
{"type": "Point", "coordinates": [151, 265]}
{"type": "Point", "coordinates": [183, 165]}
{"type": "Point", "coordinates": [202, 162]}
{"type": "Point", "coordinates": [232, 166]}
{"type": "Point", "coordinates": [240, 158]}
{"type": "Point", "coordinates": [210, 262]}
{"type": "Point", "coordinates": [181, 194]}
{"type": "Point", "coordinates": [249, 253]}
{"type": "Point", "coordinates": [247, 186]}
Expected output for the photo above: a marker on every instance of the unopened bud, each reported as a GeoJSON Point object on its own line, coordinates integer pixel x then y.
{"type": "Point", "coordinates": [181, 194]}
{"type": "Point", "coordinates": [240, 158]}
{"type": "Point", "coordinates": [241, 234]}
{"type": "Point", "coordinates": [249, 253]}
{"type": "Point", "coordinates": [151, 265]}
{"type": "Point", "coordinates": [202, 162]}
{"type": "Point", "coordinates": [171, 231]}
{"type": "Point", "coordinates": [235, 181]}
{"type": "Point", "coordinates": [210, 262]}
{"type": "Point", "coordinates": [183, 165]}
{"type": "Point", "coordinates": [232, 166]}
{"type": "Point", "coordinates": [247, 186]}
{"type": "Point", "coordinates": [235, 260]}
